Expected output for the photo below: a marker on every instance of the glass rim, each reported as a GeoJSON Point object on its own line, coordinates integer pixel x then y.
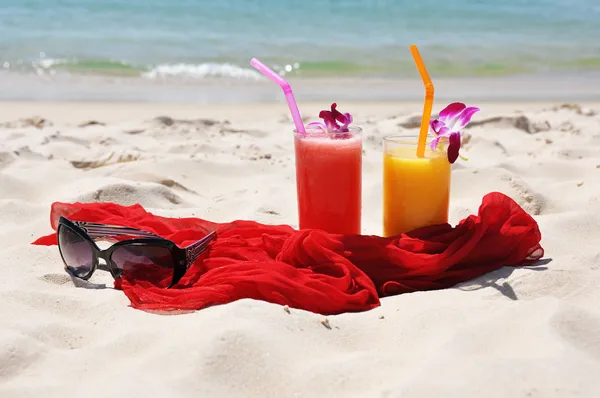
{"type": "Point", "coordinates": [353, 130]}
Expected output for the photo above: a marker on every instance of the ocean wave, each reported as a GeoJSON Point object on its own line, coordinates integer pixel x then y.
{"type": "Point", "coordinates": [201, 71]}
{"type": "Point", "coordinates": [165, 71]}
{"type": "Point", "coordinates": [211, 69]}
{"type": "Point", "coordinates": [51, 66]}
{"type": "Point", "coordinates": [47, 63]}
{"type": "Point", "coordinates": [41, 66]}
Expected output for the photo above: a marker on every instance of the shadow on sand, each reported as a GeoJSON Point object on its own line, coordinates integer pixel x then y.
{"type": "Point", "coordinates": [491, 279]}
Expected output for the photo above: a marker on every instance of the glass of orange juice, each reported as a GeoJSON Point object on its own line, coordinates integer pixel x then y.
{"type": "Point", "coordinates": [416, 191]}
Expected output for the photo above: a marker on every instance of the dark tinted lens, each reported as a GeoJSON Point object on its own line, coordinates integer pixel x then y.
{"type": "Point", "coordinates": [77, 253]}
{"type": "Point", "coordinates": [144, 263]}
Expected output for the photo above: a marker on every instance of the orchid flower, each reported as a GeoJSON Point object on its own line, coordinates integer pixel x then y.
{"type": "Point", "coordinates": [333, 121]}
{"type": "Point", "coordinates": [447, 128]}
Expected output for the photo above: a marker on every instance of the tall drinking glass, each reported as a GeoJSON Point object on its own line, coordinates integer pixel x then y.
{"type": "Point", "coordinates": [416, 191]}
{"type": "Point", "coordinates": [328, 180]}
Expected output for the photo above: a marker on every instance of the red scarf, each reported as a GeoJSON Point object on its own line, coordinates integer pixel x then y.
{"type": "Point", "coordinates": [317, 271]}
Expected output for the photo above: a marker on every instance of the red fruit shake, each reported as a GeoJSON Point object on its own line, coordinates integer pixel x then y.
{"type": "Point", "coordinates": [328, 180]}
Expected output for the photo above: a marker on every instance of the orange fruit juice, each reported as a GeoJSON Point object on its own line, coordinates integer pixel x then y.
{"type": "Point", "coordinates": [416, 191]}
{"type": "Point", "coordinates": [328, 180]}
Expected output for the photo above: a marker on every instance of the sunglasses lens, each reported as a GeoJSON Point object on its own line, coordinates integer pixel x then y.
{"type": "Point", "coordinates": [144, 263]}
{"type": "Point", "coordinates": [77, 253]}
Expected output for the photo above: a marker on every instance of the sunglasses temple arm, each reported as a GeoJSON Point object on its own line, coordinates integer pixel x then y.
{"type": "Point", "coordinates": [195, 249]}
{"type": "Point", "coordinates": [95, 230]}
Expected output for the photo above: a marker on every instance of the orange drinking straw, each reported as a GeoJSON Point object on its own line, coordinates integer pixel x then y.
{"type": "Point", "coordinates": [428, 100]}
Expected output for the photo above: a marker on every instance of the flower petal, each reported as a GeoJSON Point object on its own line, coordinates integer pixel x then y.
{"type": "Point", "coordinates": [337, 115]}
{"type": "Point", "coordinates": [434, 143]}
{"type": "Point", "coordinates": [444, 132]}
{"type": "Point", "coordinates": [347, 121]}
{"type": "Point", "coordinates": [454, 146]}
{"type": "Point", "coordinates": [326, 115]}
{"type": "Point", "coordinates": [335, 121]}
{"type": "Point", "coordinates": [349, 118]}
{"type": "Point", "coordinates": [317, 125]}
{"type": "Point", "coordinates": [436, 125]}
{"type": "Point", "coordinates": [451, 112]}
{"type": "Point", "coordinates": [465, 117]}
{"type": "Point", "coordinates": [329, 120]}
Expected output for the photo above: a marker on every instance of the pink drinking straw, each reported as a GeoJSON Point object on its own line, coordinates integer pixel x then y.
{"type": "Point", "coordinates": [287, 90]}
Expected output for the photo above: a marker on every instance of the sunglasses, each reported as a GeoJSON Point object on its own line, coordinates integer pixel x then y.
{"type": "Point", "coordinates": [147, 258]}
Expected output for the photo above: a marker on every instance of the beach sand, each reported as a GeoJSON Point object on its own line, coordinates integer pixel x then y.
{"type": "Point", "coordinates": [524, 332]}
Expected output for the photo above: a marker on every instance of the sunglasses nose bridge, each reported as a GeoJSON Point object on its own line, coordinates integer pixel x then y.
{"type": "Point", "coordinates": [104, 254]}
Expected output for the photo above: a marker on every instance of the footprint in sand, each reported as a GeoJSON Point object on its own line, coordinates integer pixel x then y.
{"type": "Point", "coordinates": [252, 133]}
{"type": "Point", "coordinates": [531, 202]}
{"type": "Point", "coordinates": [26, 153]}
{"type": "Point", "coordinates": [521, 122]}
{"type": "Point", "coordinates": [56, 279]}
{"type": "Point", "coordinates": [58, 137]}
{"type": "Point", "coordinates": [167, 182]}
{"type": "Point", "coordinates": [580, 329]}
{"type": "Point", "coordinates": [111, 159]}
{"type": "Point", "coordinates": [147, 194]}
{"type": "Point", "coordinates": [18, 353]}
{"type": "Point", "coordinates": [577, 109]}
{"type": "Point", "coordinates": [91, 123]}
{"type": "Point", "coordinates": [34, 121]}
{"type": "Point", "coordinates": [169, 121]}
{"type": "Point", "coordinates": [6, 158]}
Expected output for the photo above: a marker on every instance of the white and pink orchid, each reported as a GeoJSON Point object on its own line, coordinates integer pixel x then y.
{"type": "Point", "coordinates": [334, 121]}
{"type": "Point", "coordinates": [447, 127]}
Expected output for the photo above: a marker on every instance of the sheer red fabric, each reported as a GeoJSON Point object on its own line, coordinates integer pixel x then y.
{"type": "Point", "coordinates": [316, 271]}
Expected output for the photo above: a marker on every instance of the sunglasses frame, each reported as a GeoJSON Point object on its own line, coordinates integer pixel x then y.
{"type": "Point", "coordinates": [183, 258]}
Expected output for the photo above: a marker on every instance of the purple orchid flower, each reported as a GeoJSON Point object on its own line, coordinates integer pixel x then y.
{"type": "Point", "coordinates": [447, 128]}
{"type": "Point", "coordinates": [333, 121]}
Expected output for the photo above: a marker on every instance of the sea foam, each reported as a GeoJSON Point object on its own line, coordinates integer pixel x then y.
{"type": "Point", "coordinates": [199, 71]}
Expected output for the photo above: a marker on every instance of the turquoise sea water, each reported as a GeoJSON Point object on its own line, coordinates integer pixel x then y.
{"type": "Point", "coordinates": [196, 39]}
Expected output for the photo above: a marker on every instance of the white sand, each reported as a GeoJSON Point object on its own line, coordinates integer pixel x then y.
{"type": "Point", "coordinates": [514, 333]}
